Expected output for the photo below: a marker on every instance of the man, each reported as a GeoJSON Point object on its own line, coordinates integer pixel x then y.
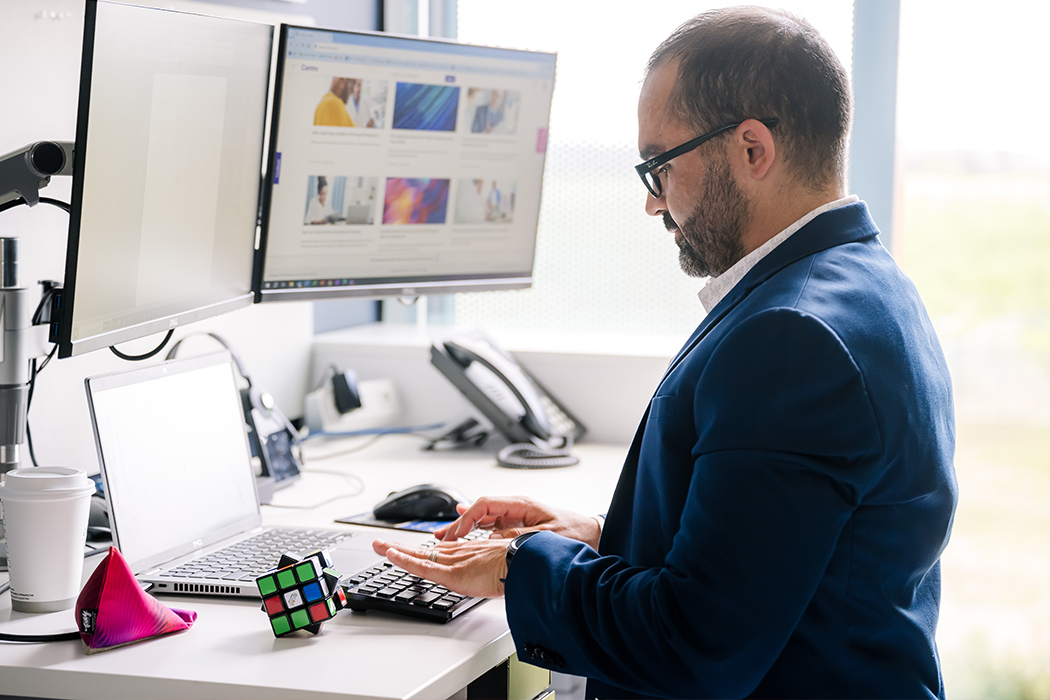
{"type": "Point", "coordinates": [331, 110]}
{"type": "Point", "coordinates": [778, 521]}
{"type": "Point", "coordinates": [488, 116]}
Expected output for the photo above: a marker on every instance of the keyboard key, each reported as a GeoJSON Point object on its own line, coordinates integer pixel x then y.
{"type": "Point", "coordinates": [426, 599]}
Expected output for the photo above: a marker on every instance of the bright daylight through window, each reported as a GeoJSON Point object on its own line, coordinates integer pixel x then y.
{"type": "Point", "coordinates": [973, 231]}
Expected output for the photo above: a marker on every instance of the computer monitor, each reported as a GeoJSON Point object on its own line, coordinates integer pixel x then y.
{"type": "Point", "coordinates": [401, 166]}
{"type": "Point", "coordinates": [167, 173]}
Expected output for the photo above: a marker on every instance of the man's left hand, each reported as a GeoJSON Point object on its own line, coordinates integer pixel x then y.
{"type": "Point", "coordinates": [475, 568]}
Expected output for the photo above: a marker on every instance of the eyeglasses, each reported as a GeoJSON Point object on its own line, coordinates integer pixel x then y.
{"type": "Point", "coordinates": [647, 170]}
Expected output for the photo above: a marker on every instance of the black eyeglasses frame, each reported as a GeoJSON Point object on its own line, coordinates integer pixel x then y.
{"type": "Point", "coordinates": [645, 170]}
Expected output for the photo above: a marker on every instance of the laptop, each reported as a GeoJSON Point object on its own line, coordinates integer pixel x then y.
{"type": "Point", "coordinates": [177, 471]}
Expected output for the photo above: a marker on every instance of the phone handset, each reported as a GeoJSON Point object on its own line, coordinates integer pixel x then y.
{"type": "Point", "coordinates": [503, 381]}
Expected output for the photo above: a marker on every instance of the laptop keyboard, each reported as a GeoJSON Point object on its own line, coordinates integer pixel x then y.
{"type": "Point", "coordinates": [382, 587]}
{"type": "Point", "coordinates": [247, 559]}
{"type": "Point", "coordinates": [390, 588]}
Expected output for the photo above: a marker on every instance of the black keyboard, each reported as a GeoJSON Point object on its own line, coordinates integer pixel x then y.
{"type": "Point", "coordinates": [392, 589]}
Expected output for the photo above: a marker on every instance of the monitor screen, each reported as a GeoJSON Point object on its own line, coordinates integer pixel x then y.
{"type": "Point", "coordinates": [167, 173]}
{"type": "Point", "coordinates": [402, 166]}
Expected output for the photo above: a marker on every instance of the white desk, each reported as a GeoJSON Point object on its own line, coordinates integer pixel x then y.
{"type": "Point", "coordinates": [230, 651]}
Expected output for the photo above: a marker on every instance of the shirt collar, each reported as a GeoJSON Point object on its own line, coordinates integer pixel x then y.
{"type": "Point", "coordinates": [717, 287]}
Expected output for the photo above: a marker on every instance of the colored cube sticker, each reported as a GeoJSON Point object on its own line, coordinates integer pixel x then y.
{"type": "Point", "coordinates": [267, 585]}
{"type": "Point", "coordinates": [281, 625]}
{"type": "Point", "coordinates": [286, 578]}
{"type": "Point", "coordinates": [301, 593]}
{"type": "Point", "coordinates": [273, 606]}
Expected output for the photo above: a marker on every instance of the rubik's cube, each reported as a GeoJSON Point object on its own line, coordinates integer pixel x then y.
{"type": "Point", "coordinates": [301, 593]}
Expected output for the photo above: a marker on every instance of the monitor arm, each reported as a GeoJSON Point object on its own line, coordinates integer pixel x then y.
{"type": "Point", "coordinates": [23, 173]}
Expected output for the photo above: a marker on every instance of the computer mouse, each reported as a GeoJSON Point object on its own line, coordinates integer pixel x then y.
{"type": "Point", "coordinates": [422, 502]}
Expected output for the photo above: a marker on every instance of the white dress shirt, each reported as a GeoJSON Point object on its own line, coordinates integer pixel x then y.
{"type": "Point", "coordinates": [717, 287]}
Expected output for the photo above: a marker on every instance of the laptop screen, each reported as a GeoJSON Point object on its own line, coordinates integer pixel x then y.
{"type": "Point", "coordinates": [174, 456]}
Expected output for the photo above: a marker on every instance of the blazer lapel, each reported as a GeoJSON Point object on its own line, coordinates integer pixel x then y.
{"type": "Point", "coordinates": [846, 224]}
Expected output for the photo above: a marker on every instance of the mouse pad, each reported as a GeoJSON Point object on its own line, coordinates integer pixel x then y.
{"type": "Point", "coordinates": [410, 525]}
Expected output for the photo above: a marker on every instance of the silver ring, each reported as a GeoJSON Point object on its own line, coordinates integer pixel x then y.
{"type": "Point", "coordinates": [433, 556]}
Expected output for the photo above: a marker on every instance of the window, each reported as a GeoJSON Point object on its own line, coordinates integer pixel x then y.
{"type": "Point", "coordinates": [602, 264]}
{"type": "Point", "coordinates": [975, 238]}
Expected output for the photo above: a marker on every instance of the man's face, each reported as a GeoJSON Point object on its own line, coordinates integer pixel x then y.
{"type": "Point", "coordinates": [355, 89]}
{"type": "Point", "coordinates": [701, 203]}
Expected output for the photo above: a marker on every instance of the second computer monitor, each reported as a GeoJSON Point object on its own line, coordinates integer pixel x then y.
{"type": "Point", "coordinates": [167, 166]}
{"type": "Point", "coordinates": [402, 166]}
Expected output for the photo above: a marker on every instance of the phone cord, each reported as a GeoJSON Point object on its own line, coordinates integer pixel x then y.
{"type": "Point", "coordinates": [525, 455]}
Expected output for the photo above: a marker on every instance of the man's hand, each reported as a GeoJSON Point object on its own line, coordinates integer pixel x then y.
{"type": "Point", "coordinates": [475, 568]}
{"type": "Point", "coordinates": [509, 517]}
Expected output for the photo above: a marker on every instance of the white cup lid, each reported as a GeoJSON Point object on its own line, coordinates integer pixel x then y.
{"type": "Point", "coordinates": [65, 481]}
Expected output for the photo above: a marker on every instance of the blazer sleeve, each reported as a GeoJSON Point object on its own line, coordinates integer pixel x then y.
{"type": "Point", "coordinates": [785, 441]}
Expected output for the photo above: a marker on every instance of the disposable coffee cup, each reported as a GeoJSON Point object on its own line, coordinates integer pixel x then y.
{"type": "Point", "coordinates": [46, 516]}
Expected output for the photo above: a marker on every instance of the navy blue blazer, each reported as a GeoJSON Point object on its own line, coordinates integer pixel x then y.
{"type": "Point", "coordinates": [777, 525]}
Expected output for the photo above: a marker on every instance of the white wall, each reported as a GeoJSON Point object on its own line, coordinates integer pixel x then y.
{"type": "Point", "coordinates": [40, 44]}
{"type": "Point", "coordinates": [606, 382]}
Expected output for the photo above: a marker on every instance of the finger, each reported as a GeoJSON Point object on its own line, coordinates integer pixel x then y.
{"type": "Point", "coordinates": [440, 532]}
{"type": "Point", "coordinates": [459, 527]}
{"type": "Point", "coordinates": [481, 512]}
{"type": "Point", "coordinates": [381, 546]}
{"type": "Point", "coordinates": [422, 567]}
{"type": "Point", "coordinates": [384, 548]}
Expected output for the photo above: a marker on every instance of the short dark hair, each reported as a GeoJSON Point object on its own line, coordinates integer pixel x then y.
{"type": "Point", "coordinates": [752, 62]}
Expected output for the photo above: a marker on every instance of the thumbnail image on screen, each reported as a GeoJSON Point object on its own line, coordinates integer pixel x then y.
{"type": "Point", "coordinates": [413, 200]}
{"type": "Point", "coordinates": [351, 102]}
{"type": "Point", "coordinates": [492, 111]}
{"type": "Point", "coordinates": [340, 200]}
{"type": "Point", "coordinates": [481, 201]}
{"type": "Point", "coordinates": [425, 107]}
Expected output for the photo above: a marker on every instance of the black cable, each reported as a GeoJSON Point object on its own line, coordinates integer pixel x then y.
{"type": "Point", "coordinates": [33, 371]}
{"type": "Point", "coordinates": [144, 356]}
{"type": "Point", "coordinates": [45, 200]}
{"type": "Point", "coordinates": [44, 638]}
{"type": "Point", "coordinates": [56, 203]}
{"type": "Point", "coordinates": [47, 359]}
{"type": "Point", "coordinates": [29, 402]}
{"type": "Point", "coordinates": [40, 638]}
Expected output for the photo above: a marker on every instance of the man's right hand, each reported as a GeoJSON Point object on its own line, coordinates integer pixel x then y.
{"type": "Point", "coordinates": [511, 516]}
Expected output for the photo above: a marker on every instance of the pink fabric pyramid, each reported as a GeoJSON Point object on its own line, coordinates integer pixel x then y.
{"type": "Point", "coordinates": [113, 610]}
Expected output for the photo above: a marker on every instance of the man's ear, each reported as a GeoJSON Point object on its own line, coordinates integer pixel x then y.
{"type": "Point", "coordinates": [755, 145]}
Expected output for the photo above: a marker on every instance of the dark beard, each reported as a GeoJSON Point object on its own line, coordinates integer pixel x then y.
{"type": "Point", "coordinates": [711, 240]}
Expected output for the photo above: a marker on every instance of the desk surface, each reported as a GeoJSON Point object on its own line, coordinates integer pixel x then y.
{"type": "Point", "coordinates": [230, 651]}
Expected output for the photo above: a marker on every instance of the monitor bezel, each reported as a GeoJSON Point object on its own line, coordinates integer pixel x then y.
{"type": "Point", "coordinates": [375, 288]}
{"type": "Point", "coordinates": [62, 310]}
